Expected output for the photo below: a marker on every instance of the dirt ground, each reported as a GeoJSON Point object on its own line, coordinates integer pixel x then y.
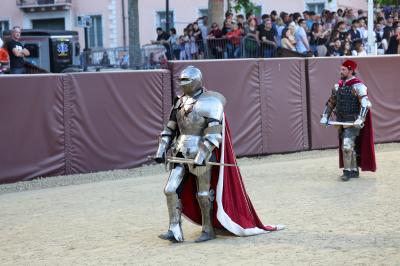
{"type": "Point", "coordinates": [116, 222]}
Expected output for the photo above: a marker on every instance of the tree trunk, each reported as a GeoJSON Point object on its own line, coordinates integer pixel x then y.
{"type": "Point", "coordinates": [135, 56]}
{"type": "Point", "coordinates": [216, 12]}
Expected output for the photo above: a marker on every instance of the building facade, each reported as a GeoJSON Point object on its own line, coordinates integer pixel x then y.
{"type": "Point", "coordinates": [108, 18]}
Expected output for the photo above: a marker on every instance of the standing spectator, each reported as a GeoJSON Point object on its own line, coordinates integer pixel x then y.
{"type": "Point", "coordinates": [268, 39]}
{"type": "Point", "coordinates": [285, 17]}
{"type": "Point", "coordinates": [194, 50]}
{"type": "Point", "coordinates": [251, 40]}
{"type": "Point", "coordinates": [17, 52]}
{"type": "Point", "coordinates": [233, 44]}
{"type": "Point", "coordinates": [162, 38]}
{"type": "Point", "coordinates": [174, 42]}
{"type": "Point", "coordinates": [280, 26]}
{"type": "Point", "coordinates": [203, 25]}
{"type": "Point", "coordinates": [198, 36]}
{"type": "Point", "coordinates": [302, 45]}
{"type": "Point", "coordinates": [105, 60]}
{"type": "Point", "coordinates": [227, 26]}
{"type": "Point", "coordinates": [214, 41]}
{"type": "Point", "coordinates": [394, 43]}
{"type": "Point", "coordinates": [4, 58]}
{"type": "Point", "coordinates": [262, 23]}
{"type": "Point", "coordinates": [292, 32]}
{"type": "Point", "coordinates": [307, 18]}
{"type": "Point", "coordinates": [285, 42]}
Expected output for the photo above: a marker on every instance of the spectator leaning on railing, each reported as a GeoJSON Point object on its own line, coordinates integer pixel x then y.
{"type": "Point", "coordinates": [268, 39]}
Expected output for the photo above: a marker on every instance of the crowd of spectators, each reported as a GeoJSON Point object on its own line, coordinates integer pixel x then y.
{"type": "Point", "coordinates": [333, 33]}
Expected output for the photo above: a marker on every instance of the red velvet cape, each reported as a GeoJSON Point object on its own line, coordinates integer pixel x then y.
{"type": "Point", "coordinates": [367, 160]}
{"type": "Point", "coordinates": [233, 209]}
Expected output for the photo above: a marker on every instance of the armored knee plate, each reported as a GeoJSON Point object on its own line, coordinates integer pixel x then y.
{"type": "Point", "coordinates": [348, 150]}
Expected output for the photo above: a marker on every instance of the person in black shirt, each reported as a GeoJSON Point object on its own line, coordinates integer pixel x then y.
{"type": "Point", "coordinates": [17, 52]}
{"type": "Point", "coordinates": [162, 38]}
{"type": "Point", "coordinates": [268, 39]}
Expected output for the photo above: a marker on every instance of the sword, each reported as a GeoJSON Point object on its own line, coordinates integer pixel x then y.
{"type": "Point", "coordinates": [336, 123]}
{"type": "Point", "coordinates": [191, 161]}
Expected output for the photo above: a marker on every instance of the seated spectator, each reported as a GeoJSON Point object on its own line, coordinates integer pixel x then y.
{"type": "Point", "coordinates": [384, 44]}
{"type": "Point", "coordinates": [318, 39]}
{"type": "Point", "coordinates": [347, 49]}
{"type": "Point", "coordinates": [336, 49]}
{"type": "Point", "coordinates": [285, 42]}
{"type": "Point", "coordinates": [359, 49]}
{"type": "Point", "coordinates": [394, 42]}
{"type": "Point", "coordinates": [354, 32]}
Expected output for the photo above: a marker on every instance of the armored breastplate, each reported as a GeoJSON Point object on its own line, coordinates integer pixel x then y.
{"type": "Point", "coordinates": [347, 104]}
{"type": "Point", "coordinates": [191, 126]}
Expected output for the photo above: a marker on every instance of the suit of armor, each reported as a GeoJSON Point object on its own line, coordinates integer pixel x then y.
{"type": "Point", "coordinates": [350, 102]}
{"type": "Point", "coordinates": [192, 132]}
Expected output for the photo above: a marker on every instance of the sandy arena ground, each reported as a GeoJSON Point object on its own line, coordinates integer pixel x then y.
{"type": "Point", "coordinates": [116, 222]}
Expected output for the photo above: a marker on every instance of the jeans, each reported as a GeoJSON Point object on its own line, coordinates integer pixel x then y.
{"type": "Point", "coordinates": [19, 70]}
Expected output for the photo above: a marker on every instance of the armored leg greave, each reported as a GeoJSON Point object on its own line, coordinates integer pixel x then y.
{"type": "Point", "coordinates": [205, 198]}
{"type": "Point", "coordinates": [174, 203]}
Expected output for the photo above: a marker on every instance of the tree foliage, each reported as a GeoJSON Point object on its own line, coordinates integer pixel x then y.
{"type": "Point", "coordinates": [245, 5]}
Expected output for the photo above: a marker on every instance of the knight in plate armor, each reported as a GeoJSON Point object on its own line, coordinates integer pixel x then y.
{"type": "Point", "coordinates": [195, 135]}
{"type": "Point", "coordinates": [349, 101]}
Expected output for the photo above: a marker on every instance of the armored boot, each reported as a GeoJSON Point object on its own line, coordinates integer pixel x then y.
{"type": "Point", "coordinates": [174, 233]}
{"type": "Point", "coordinates": [205, 200]}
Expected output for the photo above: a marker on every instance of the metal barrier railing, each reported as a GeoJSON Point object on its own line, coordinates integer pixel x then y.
{"type": "Point", "coordinates": [157, 55]}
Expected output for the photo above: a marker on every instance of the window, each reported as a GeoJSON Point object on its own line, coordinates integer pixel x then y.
{"type": "Point", "coordinates": [316, 7]}
{"type": "Point", "coordinates": [95, 32]}
{"type": "Point", "coordinates": [161, 19]}
{"type": "Point", "coordinates": [4, 25]}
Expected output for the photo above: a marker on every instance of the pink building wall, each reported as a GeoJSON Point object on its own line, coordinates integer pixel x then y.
{"type": "Point", "coordinates": [111, 11]}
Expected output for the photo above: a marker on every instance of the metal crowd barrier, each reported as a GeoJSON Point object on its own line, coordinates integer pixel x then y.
{"type": "Point", "coordinates": [156, 55]}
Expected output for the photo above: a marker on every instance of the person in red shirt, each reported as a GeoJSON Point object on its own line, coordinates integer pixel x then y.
{"type": "Point", "coordinates": [233, 45]}
{"type": "Point", "coordinates": [4, 58]}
